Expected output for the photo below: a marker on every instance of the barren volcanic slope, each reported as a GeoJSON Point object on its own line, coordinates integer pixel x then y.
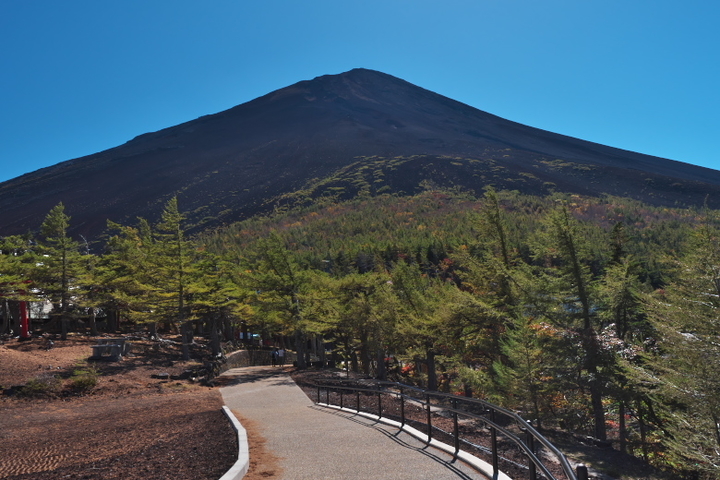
{"type": "Point", "coordinates": [325, 133]}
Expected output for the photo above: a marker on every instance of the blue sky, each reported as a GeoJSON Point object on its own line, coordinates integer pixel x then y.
{"type": "Point", "coordinates": [78, 77]}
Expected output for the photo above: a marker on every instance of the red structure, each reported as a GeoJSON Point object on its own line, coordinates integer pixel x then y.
{"type": "Point", "coordinates": [24, 312]}
{"type": "Point", "coordinates": [24, 319]}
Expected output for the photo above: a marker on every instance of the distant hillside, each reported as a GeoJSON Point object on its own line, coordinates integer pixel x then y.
{"type": "Point", "coordinates": [358, 133]}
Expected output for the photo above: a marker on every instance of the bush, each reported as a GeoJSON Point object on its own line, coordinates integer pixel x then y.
{"type": "Point", "coordinates": [45, 385]}
{"type": "Point", "coordinates": [83, 379]}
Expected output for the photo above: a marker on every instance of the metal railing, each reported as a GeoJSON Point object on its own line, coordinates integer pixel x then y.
{"type": "Point", "coordinates": [508, 431]}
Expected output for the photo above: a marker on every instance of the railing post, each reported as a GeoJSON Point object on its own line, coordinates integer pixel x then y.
{"type": "Point", "coordinates": [493, 440]}
{"type": "Point", "coordinates": [429, 417]}
{"type": "Point", "coordinates": [318, 395]}
{"type": "Point", "coordinates": [379, 404]}
{"type": "Point", "coordinates": [531, 446]}
{"type": "Point", "coordinates": [341, 399]}
{"type": "Point", "coordinates": [358, 401]}
{"type": "Point", "coordinates": [456, 433]}
{"type": "Point", "coordinates": [402, 409]}
{"type": "Point", "coordinates": [327, 396]}
{"type": "Point", "coordinates": [456, 428]}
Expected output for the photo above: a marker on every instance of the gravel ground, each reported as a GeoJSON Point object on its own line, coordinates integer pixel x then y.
{"type": "Point", "coordinates": [130, 426]}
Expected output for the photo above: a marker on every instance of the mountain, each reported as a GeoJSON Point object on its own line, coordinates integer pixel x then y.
{"type": "Point", "coordinates": [360, 132]}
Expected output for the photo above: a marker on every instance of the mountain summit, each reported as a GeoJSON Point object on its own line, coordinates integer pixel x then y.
{"type": "Point", "coordinates": [334, 134]}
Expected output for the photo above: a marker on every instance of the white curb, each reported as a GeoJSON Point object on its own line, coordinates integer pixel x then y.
{"type": "Point", "coordinates": [240, 468]}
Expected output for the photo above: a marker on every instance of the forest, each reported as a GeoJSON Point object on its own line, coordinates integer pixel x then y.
{"type": "Point", "coordinates": [596, 316]}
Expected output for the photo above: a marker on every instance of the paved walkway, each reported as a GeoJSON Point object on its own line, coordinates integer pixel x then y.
{"type": "Point", "coordinates": [316, 443]}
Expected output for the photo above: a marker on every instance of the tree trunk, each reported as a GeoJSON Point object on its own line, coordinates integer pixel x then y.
{"type": "Point", "coordinates": [14, 317]}
{"type": "Point", "coordinates": [467, 390]}
{"type": "Point", "coordinates": [431, 373]}
{"type": "Point", "coordinates": [190, 330]}
{"type": "Point", "coordinates": [590, 345]}
{"type": "Point", "coordinates": [321, 347]}
{"type": "Point", "coordinates": [365, 353]}
{"type": "Point", "coordinates": [300, 348]}
{"type": "Point", "coordinates": [186, 337]}
{"type": "Point", "coordinates": [5, 320]}
{"type": "Point", "coordinates": [598, 410]}
{"type": "Point", "coordinates": [354, 361]}
{"type": "Point", "coordinates": [152, 330]}
{"type": "Point", "coordinates": [63, 327]}
{"type": "Point", "coordinates": [93, 321]}
{"type": "Point", "coordinates": [112, 322]}
{"type": "Point", "coordinates": [622, 428]}
{"type": "Point", "coordinates": [214, 338]}
{"type": "Point", "coordinates": [643, 434]}
{"type": "Point", "coordinates": [381, 370]}
{"type": "Point", "coordinates": [228, 333]}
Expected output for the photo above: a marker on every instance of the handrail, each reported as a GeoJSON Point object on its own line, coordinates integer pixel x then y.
{"type": "Point", "coordinates": [518, 419]}
{"type": "Point", "coordinates": [423, 398]}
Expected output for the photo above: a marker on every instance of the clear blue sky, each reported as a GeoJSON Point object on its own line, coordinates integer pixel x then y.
{"type": "Point", "coordinates": [78, 77]}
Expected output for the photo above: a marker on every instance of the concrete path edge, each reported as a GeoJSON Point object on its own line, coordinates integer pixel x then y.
{"type": "Point", "coordinates": [241, 466]}
{"type": "Point", "coordinates": [481, 466]}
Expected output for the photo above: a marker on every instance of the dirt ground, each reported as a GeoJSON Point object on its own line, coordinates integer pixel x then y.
{"type": "Point", "coordinates": [130, 425]}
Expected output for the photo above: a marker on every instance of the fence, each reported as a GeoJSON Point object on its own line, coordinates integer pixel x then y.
{"type": "Point", "coordinates": [478, 427]}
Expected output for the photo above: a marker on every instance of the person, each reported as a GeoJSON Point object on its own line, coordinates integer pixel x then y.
{"type": "Point", "coordinates": [274, 356]}
{"type": "Point", "coordinates": [281, 357]}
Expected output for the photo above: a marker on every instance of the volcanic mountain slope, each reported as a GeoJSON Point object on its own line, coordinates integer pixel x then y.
{"type": "Point", "coordinates": [360, 132]}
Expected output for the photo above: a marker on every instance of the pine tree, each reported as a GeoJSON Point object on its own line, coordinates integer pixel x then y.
{"type": "Point", "coordinates": [576, 296]}
{"type": "Point", "coordinates": [126, 274]}
{"type": "Point", "coordinates": [282, 284]}
{"type": "Point", "coordinates": [365, 320]}
{"type": "Point", "coordinates": [59, 276]}
{"type": "Point", "coordinates": [218, 297]}
{"type": "Point", "coordinates": [173, 255]}
{"type": "Point", "coordinates": [525, 375]}
{"type": "Point", "coordinates": [686, 318]}
{"type": "Point", "coordinates": [421, 314]}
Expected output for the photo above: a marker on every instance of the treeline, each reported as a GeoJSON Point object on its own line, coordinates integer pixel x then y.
{"type": "Point", "coordinates": [147, 275]}
{"type": "Point", "coordinates": [594, 316]}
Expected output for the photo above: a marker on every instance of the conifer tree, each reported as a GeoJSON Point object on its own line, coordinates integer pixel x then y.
{"type": "Point", "coordinates": [173, 255]}
{"type": "Point", "coordinates": [526, 373]}
{"type": "Point", "coordinates": [686, 318]}
{"type": "Point", "coordinates": [125, 275]}
{"type": "Point", "coordinates": [59, 276]}
{"type": "Point", "coordinates": [421, 314]}
{"type": "Point", "coordinates": [576, 297]}
{"type": "Point", "coordinates": [217, 296]}
{"type": "Point", "coordinates": [282, 284]}
{"type": "Point", "coordinates": [365, 320]}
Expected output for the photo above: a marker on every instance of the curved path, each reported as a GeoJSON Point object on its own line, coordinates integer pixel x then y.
{"type": "Point", "coordinates": [315, 443]}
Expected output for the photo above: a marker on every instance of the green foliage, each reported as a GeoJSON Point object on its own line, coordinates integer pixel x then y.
{"type": "Point", "coordinates": [125, 273]}
{"type": "Point", "coordinates": [45, 385]}
{"type": "Point", "coordinates": [685, 365]}
{"type": "Point", "coordinates": [526, 371]}
{"type": "Point", "coordinates": [84, 378]}
{"type": "Point", "coordinates": [61, 269]}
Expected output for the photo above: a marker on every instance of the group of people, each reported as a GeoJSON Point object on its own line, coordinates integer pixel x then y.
{"type": "Point", "coordinates": [278, 357]}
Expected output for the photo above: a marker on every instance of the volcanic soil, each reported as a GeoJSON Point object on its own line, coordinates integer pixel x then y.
{"type": "Point", "coordinates": [136, 422]}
